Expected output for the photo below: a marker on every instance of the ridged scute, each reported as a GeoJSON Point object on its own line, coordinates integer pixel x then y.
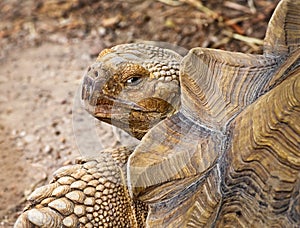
{"type": "Point", "coordinates": [23, 221]}
{"type": "Point", "coordinates": [87, 177]}
{"type": "Point", "coordinates": [282, 36]}
{"type": "Point", "coordinates": [217, 85]}
{"type": "Point", "coordinates": [197, 206]}
{"type": "Point", "coordinates": [262, 171]}
{"type": "Point", "coordinates": [239, 122]}
{"type": "Point", "coordinates": [176, 148]}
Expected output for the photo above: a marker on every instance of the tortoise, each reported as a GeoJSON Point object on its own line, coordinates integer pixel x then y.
{"type": "Point", "coordinates": [223, 150]}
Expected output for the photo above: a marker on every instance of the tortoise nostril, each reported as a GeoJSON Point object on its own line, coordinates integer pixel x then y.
{"type": "Point", "coordinates": [96, 74]}
{"type": "Point", "coordinates": [89, 69]}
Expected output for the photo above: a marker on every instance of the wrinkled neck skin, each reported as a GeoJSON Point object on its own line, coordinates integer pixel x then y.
{"type": "Point", "coordinates": [133, 87]}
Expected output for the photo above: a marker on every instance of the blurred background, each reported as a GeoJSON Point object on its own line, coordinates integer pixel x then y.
{"type": "Point", "coordinates": [45, 48]}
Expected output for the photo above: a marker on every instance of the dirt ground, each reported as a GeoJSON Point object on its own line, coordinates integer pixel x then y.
{"type": "Point", "coordinates": [46, 47]}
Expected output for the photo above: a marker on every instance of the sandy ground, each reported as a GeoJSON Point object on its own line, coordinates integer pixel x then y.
{"type": "Point", "coordinates": [46, 47]}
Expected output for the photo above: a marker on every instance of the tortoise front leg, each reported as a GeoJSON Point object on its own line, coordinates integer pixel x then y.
{"type": "Point", "coordinates": [92, 193]}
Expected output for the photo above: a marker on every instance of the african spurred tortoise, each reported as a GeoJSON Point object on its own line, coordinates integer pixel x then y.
{"type": "Point", "coordinates": [220, 139]}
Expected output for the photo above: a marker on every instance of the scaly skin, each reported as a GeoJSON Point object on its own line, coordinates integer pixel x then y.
{"type": "Point", "coordinates": [133, 86]}
{"type": "Point", "coordinates": [91, 193]}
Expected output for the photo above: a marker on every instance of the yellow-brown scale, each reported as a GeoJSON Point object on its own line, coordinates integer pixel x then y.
{"type": "Point", "coordinates": [90, 194]}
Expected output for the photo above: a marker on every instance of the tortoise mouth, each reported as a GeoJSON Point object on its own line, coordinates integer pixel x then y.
{"type": "Point", "coordinates": [135, 118]}
{"type": "Point", "coordinates": [123, 114]}
{"type": "Point", "coordinates": [102, 105]}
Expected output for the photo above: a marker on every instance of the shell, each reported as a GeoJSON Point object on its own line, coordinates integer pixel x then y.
{"type": "Point", "coordinates": [199, 209]}
{"type": "Point", "coordinates": [217, 85]}
{"type": "Point", "coordinates": [266, 160]}
{"type": "Point", "coordinates": [237, 129]}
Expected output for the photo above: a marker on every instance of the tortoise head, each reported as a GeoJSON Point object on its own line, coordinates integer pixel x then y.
{"type": "Point", "coordinates": [133, 86]}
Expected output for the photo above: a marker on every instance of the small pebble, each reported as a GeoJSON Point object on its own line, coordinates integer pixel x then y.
{"type": "Point", "coordinates": [48, 149]}
{"type": "Point", "coordinates": [22, 133]}
{"type": "Point", "coordinates": [29, 138]}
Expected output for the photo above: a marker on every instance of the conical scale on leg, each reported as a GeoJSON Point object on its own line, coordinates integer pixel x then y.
{"type": "Point", "coordinates": [70, 200]}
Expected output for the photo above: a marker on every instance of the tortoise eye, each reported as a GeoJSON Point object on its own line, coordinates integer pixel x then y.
{"type": "Point", "coordinates": [134, 80]}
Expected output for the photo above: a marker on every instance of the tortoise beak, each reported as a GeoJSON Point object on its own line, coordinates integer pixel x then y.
{"type": "Point", "coordinates": [90, 90]}
{"type": "Point", "coordinates": [93, 81]}
{"type": "Point", "coordinates": [95, 101]}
